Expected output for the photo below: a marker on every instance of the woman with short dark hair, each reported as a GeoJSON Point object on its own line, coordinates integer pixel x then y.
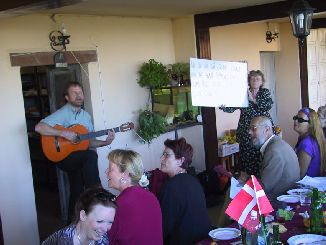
{"type": "Point", "coordinates": [184, 212]}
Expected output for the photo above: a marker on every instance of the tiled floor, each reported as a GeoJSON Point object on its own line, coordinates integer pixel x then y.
{"type": "Point", "coordinates": [48, 210]}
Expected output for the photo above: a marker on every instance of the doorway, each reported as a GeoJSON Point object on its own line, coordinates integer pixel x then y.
{"type": "Point", "coordinates": [43, 88]}
{"type": "Point", "coordinates": [267, 64]}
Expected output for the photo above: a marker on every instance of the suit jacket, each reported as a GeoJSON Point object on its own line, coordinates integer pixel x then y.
{"type": "Point", "coordinates": [279, 169]}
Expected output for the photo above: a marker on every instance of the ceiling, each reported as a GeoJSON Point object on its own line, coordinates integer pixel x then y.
{"type": "Point", "coordinates": [133, 8]}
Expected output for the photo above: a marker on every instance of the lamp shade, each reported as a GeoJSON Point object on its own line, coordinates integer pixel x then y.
{"type": "Point", "coordinates": [301, 18]}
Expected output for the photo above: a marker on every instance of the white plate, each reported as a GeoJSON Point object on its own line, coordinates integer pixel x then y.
{"type": "Point", "coordinates": [307, 239]}
{"type": "Point", "coordinates": [224, 234]}
{"type": "Point", "coordinates": [289, 198]}
{"type": "Point", "coordinates": [298, 191]}
{"type": "Point", "coordinates": [321, 179]}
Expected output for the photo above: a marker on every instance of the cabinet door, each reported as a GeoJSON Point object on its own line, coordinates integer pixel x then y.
{"type": "Point", "coordinates": [58, 78]}
{"type": "Point", "coordinates": [312, 63]}
{"type": "Point", "coordinates": [322, 66]}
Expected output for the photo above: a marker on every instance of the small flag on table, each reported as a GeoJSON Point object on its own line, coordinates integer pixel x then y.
{"type": "Point", "coordinates": [251, 197]}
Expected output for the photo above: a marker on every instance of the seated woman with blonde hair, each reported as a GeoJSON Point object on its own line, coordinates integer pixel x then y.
{"type": "Point", "coordinates": [310, 147]}
{"type": "Point", "coordinates": [138, 220]}
{"type": "Point", "coordinates": [94, 215]}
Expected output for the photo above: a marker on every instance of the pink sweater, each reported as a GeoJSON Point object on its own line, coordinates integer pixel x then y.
{"type": "Point", "coordinates": [138, 219]}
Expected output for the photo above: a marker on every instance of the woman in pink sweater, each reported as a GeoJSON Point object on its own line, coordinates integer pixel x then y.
{"type": "Point", "coordinates": [138, 218]}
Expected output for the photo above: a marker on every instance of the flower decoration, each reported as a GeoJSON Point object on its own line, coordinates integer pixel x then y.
{"type": "Point", "coordinates": [278, 130]}
{"type": "Point", "coordinates": [143, 182]}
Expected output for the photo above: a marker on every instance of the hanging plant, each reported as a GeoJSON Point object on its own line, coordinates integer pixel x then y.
{"type": "Point", "coordinates": [151, 125]}
{"type": "Point", "coordinates": [153, 74]}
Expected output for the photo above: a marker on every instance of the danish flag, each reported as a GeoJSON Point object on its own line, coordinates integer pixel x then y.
{"type": "Point", "coordinates": [251, 197]}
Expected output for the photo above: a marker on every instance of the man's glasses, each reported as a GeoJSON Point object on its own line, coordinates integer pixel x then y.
{"type": "Point", "coordinates": [254, 127]}
{"type": "Point", "coordinates": [300, 120]}
{"type": "Point", "coordinates": [166, 154]}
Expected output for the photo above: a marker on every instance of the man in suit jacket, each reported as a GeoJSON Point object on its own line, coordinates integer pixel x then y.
{"type": "Point", "coordinates": [280, 167]}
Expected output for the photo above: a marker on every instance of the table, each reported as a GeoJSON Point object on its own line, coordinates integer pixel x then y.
{"type": "Point", "coordinates": [294, 227]}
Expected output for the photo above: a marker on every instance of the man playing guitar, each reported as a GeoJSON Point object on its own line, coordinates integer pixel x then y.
{"type": "Point", "coordinates": [81, 165]}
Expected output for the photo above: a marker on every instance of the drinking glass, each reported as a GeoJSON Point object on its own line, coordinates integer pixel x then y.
{"type": "Point", "coordinates": [305, 200]}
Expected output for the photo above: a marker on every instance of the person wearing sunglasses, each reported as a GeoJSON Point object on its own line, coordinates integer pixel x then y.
{"type": "Point", "coordinates": [182, 199]}
{"type": "Point", "coordinates": [94, 215]}
{"type": "Point", "coordinates": [138, 220]}
{"type": "Point", "coordinates": [310, 147]}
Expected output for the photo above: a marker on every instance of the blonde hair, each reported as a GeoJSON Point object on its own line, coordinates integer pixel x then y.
{"type": "Point", "coordinates": [316, 131]}
{"type": "Point", "coordinates": [130, 161]}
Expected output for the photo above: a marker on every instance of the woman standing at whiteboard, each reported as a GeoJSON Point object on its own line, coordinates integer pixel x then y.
{"type": "Point", "coordinates": [260, 102]}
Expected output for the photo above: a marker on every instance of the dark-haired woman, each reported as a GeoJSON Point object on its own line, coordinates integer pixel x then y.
{"type": "Point", "coordinates": [184, 212]}
{"type": "Point", "coordinates": [94, 215]}
{"type": "Point", "coordinates": [260, 103]}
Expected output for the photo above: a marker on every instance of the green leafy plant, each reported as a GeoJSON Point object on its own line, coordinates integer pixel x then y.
{"type": "Point", "coordinates": [321, 196]}
{"type": "Point", "coordinates": [286, 214]}
{"type": "Point", "coordinates": [151, 125]}
{"type": "Point", "coordinates": [153, 74]}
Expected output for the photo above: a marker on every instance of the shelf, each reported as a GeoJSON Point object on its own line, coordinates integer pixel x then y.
{"type": "Point", "coordinates": [182, 125]}
{"type": "Point", "coordinates": [168, 87]}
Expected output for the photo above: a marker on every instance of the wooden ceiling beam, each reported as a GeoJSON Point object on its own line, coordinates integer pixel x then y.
{"type": "Point", "coordinates": [250, 14]}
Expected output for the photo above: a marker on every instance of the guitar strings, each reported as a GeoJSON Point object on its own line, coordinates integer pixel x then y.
{"type": "Point", "coordinates": [100, 82]}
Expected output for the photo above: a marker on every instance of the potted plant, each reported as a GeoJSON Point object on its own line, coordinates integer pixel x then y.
{"type": "Point", "coordinates": [153, 74]}
{"type": "Point", "coordinates": [180, 72]}
{"type": "Point", "coordinates": [151, 125]}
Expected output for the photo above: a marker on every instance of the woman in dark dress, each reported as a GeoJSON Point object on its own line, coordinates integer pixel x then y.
{"type": "Point", "coordinates": [260, 103]}
{"type": "Point", "coordinates": [184, 213]}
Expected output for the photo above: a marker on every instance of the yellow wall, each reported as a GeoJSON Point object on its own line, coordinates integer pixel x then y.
{"type": "Point", "coordinates": [123, 44]}
{"type": "Point", "coordinates": [241, 42]}
{"type": "Point", "coordinates": [288, 89]}
{"type": "Point", "coordinates": [184, 39]}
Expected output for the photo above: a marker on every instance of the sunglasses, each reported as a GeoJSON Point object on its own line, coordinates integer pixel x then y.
{"type": "Point", "coordinates": [102, 196]}
{"type": "Point", "coordinates": [300, 120]}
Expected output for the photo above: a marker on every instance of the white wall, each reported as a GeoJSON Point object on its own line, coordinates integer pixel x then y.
{"type": "Point", "coordinates": [123, 44]}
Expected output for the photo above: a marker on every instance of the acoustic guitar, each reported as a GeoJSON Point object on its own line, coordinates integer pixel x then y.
{"type": "Point", "coordinates": [56, 148]}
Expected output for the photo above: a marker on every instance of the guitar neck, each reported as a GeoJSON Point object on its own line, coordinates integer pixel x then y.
{"type": "Point", "coordinates": [92, 135]}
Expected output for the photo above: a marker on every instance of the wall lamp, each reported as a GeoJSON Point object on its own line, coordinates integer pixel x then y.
{"type": "Point", "coordinates": [271, 36]}
{"type": "Point", "coordinates": [59, 39]}
{"type": "Point", "coordinates": [301, 18]}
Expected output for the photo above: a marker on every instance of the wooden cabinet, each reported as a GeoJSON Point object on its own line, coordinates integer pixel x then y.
{"type": "Point", "coordinates": [35, 93]}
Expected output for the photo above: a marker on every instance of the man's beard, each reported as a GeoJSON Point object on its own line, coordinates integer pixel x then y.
{"type": "Point", "coordinates": [258, 142]}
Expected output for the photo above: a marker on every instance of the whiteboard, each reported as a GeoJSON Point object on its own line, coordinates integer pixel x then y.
{"type": "Point", "coordinates": [215, 83]}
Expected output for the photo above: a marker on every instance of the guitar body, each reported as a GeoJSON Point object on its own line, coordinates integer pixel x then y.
{"type": "Point", "coordinates": [57, 148]}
